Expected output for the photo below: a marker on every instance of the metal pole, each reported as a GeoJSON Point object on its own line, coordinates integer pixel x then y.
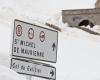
{"type": "Point", "coordinates": [51, 79]}
{"type": "Point", "coordinates": [28, 77]}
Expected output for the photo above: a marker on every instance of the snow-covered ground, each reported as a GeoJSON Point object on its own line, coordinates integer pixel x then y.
{"type": "Point", "coordinates": [78, 56]}
{"type": "Point", "coordinates": [8, 74]}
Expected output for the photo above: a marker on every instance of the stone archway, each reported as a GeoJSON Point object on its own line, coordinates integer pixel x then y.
{"type": "Point", "coordinates": [86, 23]}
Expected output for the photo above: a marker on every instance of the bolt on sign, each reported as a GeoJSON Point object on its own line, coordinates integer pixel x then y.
{"type": "Point", "coordinates": [33, 68]}
{"type": "Point", "coordinates": [34, 42]}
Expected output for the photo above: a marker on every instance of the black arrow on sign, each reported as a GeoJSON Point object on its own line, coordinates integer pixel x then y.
{"type": "Point", "coordinates": [52, 73]}
{"type": "Point", "coordinates": [53, 46]}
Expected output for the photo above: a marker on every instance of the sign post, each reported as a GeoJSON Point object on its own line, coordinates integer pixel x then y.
{"type": "Point", "coordinates": [33, 69]}
{"type": "Point", "coordinates": [28, 77]}
{"type": "Point", "coordinates": [34, 42]}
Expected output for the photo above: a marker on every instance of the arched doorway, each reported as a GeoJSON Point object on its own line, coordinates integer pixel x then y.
{"type": "Point", "coordinates": [86, 23]}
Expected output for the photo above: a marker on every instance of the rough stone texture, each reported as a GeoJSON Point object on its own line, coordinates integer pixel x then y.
{"type": "Point", "coordinates": [97, 4]}
{"type": "Point", "coordinates": [75, 17]}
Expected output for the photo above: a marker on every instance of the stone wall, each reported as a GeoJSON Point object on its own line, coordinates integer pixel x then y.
{"type": "Point", "coordinates": [76, 17]}
{"type": "Point", "coordinates": [97, 4]}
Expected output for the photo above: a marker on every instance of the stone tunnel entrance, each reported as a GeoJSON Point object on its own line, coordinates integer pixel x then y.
{"type": "Point", "coordinates": [86, 23]}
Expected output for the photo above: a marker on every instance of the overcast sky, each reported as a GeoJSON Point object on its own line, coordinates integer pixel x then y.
{"type": "Point", "coordinates": [46, 6]}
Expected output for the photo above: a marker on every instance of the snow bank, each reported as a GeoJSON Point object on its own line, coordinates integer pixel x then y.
{"type": "Point", "coordinates": [5, 59]}
{"type": "Point", "coordinates": [78, 56]}
{"type": "Point", "coordinates": [8, 74]}
{"type": "Point", "coordinates": [78, 59]}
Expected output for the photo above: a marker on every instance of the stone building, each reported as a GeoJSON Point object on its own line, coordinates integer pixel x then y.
{"type": "Point", "coordinates": [97, 4]}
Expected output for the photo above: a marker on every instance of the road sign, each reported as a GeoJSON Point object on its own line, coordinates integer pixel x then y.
{"type": "Point", "coordinates": [35, 42]}
{"type": "Point", "coordinates": [31, 33]}
{"type": "Point", "coordinates": [42, 36]}
{"type": "Point", "coordinates": [18, 30]}
{"type": "Point", "coordinates": [33, 68]}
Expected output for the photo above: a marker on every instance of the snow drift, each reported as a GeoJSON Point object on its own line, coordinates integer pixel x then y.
{"type": "Point", "coordinates": [8, 74]}
{"type": "Point", "coordinates": [78, 56]}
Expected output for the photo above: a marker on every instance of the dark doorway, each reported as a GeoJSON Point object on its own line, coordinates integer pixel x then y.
{"type": "Point", "coordinates": [86, 23]}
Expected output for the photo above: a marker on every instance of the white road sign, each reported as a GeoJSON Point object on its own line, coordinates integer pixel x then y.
{"type": "Point", "coordinates": [33, 68]}
{"type": "Point", "coordinates": [34, 42]}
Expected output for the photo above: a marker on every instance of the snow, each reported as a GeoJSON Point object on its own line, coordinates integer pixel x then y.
{"type": "Point", "coordinates": [78, 59]}
{"type": "Point", "coordinates": [96, 28]}
{"type": "Point", "coordinates": [78, 56]}
{"type": "Point", "coordinates": [8, 74]}
{"type": "Point", "coordinates": [78, 53]}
